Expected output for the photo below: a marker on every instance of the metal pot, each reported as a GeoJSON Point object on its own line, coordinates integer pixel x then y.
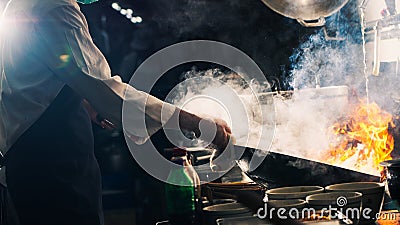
{"type": "Point", "coordinates": [310, 13]}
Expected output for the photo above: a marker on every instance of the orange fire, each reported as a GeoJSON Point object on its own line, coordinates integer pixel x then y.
{"type": "Point", "coordinates": [389, 218]}
{"type": "Point", "coordinates": [364, 139]}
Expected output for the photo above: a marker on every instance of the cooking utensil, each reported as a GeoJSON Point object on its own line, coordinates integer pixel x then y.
{"type": "Point", "coordinates": [372, 197]}
{"type": "Point", "coordinates": [323, 218]}
{"type": "Point", "coordinates": [253, 220]}
{"type": "Point", "coordinates": [309, 13]}
{"type": "Point", "coordinates": [214, 212]}
{"type": "Point", "coordinates": [323, 201]}
{"type": "Point", "coordinates": [273, 170]}
{"type": "Point", "coordinates": [295, 192]}
{"type": "Point", "coordinates": [289, 204]}
{"type": "Point", "coordinates": [255, 202]}
{"type": "Point", "coordinates": [229, 190]}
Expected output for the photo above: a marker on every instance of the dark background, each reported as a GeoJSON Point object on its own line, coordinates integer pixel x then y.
{"type": "Point", "coordinates": [267, 37]}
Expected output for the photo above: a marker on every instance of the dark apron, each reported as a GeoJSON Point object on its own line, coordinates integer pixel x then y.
{"type": "Point", "coordinates": [52, 174]}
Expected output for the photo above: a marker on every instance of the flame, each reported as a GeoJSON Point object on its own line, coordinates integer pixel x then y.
{"type": "Point", "coordinates": [364, 139]}
{"type": "Point", "coordinates": [391, 217]}
{"type": "Point", "coordinates": [388, 222]}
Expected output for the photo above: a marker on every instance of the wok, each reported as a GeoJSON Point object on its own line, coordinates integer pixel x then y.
{"type": "Point", "coordinates": [278, 170]}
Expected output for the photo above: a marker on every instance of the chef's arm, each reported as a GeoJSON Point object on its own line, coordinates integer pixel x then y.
{"type": "Point", "coordinates": [77, 61]}
{"type": "Point", "coordinates": [144, 111]}
{"type": "Point", "coordinates": [111, 98]}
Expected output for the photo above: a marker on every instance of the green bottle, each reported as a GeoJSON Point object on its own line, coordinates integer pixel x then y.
{"type": "Point", "coordinates": [181, 195]}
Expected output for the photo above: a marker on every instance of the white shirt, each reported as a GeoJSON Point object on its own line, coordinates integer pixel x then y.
{"type": "Point", "coordinates": [46, 45]}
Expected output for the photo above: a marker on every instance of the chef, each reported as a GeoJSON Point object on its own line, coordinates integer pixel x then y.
{"type": "Point", "coordinates": [49, 64]}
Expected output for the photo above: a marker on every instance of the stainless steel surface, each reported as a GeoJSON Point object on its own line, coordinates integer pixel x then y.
{"type": "Point", "coordinates": [309, 13]}
{"type": "Point", "coordinates": [384, 22]}
{"type": "Point", "coordinates": [377, 62]}
{"type": "Point", "coordinates": [388, 28]}
{"type": "Point", "coordinates": [382, 32]}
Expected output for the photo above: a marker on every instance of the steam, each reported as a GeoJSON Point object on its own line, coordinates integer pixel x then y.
{"type": "Point", "coordinates": [303, 121]}
{"type": "Point", "coordinates": [227, 96]}
{"type": "Point", "coordinates": [325, 74]}
{"type": "Point", "coordinates": [320, 63]}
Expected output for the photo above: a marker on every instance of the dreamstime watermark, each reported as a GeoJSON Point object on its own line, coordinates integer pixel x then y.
{"type": "Point", "coordinates": [339, 211]}
{"type": "Point", "coordinates": [135, 118]}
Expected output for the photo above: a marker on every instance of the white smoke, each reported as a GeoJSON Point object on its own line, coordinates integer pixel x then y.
{"type": "Point", "coordinates": [303, 121]}
{"type": "Point", "coordinates": [226, 96]}
{"type": "Point", "coordinates": [322, 63]}
{"type": "Point", "coordinates": [325, 75]}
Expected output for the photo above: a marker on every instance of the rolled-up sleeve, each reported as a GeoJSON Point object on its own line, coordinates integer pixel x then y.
{"type": "Point", "coordinates": [68, 50]}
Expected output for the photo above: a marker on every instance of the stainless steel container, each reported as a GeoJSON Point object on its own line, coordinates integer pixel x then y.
{"type": "Point", "coordinates": [310, 13]}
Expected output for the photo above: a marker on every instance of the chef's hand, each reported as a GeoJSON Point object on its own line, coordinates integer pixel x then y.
{"type": "Point", "coordinates": [223, 141]}
{"type": "Point", "coordinates": [96, 118]}
{"type": "Point", "coordinates": [223, 135]}
{"type": "Point", "coordinates": [202, 127]}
